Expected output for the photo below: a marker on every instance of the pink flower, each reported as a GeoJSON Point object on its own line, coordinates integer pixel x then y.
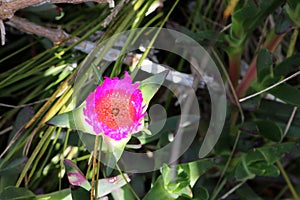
{"type": "Point", "coordinates": [115, 108]}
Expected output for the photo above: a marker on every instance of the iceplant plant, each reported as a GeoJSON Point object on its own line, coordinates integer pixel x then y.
{"type": "Point", "coordinates": [115, 110]}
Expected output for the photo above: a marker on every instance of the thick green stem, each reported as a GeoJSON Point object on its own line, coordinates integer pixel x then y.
{"type": "Point", "coordinates": [271, 43]}
{"type": "Point", "coordinates": [234, 67]}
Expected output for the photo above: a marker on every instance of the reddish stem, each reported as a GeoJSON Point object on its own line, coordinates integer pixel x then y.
{"type": "Point", "coordinates": [234, 67]}
{"type": "Point", "coordinates": [271, 43]}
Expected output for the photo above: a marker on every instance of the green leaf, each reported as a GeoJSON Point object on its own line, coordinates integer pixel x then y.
{"type": "Point", "coordinates": [283, 24]}
{"type": "Point", "coordinates": [197, 168]}
{"type": "Point", "coordinates": [245, 18]}
{"type": "Point", "coordinates": [122, 194]}
{"type": "Point", "coordinates": [150, 86]}
{"type": "Point", "coordinates": [292, 8]}
{"type": "Point", "coordinates": [159, 192]}
{"type": "Point", "coordinates": [176, 178]}
{"type": "Point", "coordinates": [200, 193]}
{"type": "Point", "coordinates": [22, 118]}
{"type": "Point", "coordinates": [242, 171]}
{"type": "Point", "coordinates": [269, 129]}
{"type": "Point", "coordinates": [260, 161]}
{"type": "Point", "coordinates": [13, 167]}
{"type": "Point", "coordinates": [287, 66]}
{"type": "Point", "coordinates": [240, 16]}
{"type": "Point", "coordinates": [10, 172]}
{"type": "Point", "coordinates": [79, 193]}
{"type": "Point", "coordinates": [275, 110]}
{"type": "Point", "coordinates": [287, 93]}
{"type": "Point", "coordinates": [274, 152]}
{"type": "Point", "coordinates": [75, 176]}
{"type": "Point", "coordinates": [58, 195]}
{"type": "Point", "coordinates": [264, 64]}
{"type": "Point", "coordinates": [73, 119]}
{"type": "Point", "coordinates": [264, 169]}
{"type": "Point", "coordinates": [280, 114]}
{"type": "Point", "coordinates": [15, 193]}
{"type": "Point", "coordinates": [245, 192]}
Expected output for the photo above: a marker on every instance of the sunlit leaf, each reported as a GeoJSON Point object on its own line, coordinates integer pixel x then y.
{"type": "Point", "coordinates": [108, 185]}
{"type": "Point", "coordinates": [150, 86]}
{"type": "Point", "coordinates": [75, 176]}
{"type": "Point", "coordinates": [73, 119]}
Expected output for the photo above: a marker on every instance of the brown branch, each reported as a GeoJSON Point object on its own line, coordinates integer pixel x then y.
{"type": "Point", "coordinates": [9, 7]}
{"type": "Point", "coordinates": [55, 35]}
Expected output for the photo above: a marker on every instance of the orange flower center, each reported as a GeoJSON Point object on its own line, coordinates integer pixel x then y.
{"type": "Point", "coordinates": [115, 109]}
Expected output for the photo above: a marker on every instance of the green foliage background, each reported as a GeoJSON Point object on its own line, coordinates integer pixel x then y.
{"type": "Point", "coordinates": [256, 49]}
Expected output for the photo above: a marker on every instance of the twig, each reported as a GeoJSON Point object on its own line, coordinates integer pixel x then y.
{"type": "Point", "coordinates": [55, 35]}
{"type": "Point", "coordinates": [24, 105]}
{"type": "Point", "coordinates": [8, 8]}
{"type": "Point", "coordinates": [289, 122]}
{"type": "Point", "coordinates": [12, 141]}
{"type": "Point", "coordinates": [6, 130]}
{"type": "Point", "coordinates": [2, 32]}
{"type": "Point", "coordinates": [269, 88]}
{"type": "Point", "coordinates": [233, 189]}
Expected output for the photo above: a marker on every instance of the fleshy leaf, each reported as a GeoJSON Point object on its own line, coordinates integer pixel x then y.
{"type": "Point", "coordinates": [75, 176]}
{"type": "Point", "coordinates": [151, 85]}
{"type": "Point", "coordinates": [111, 184]}
{"type": "Point", "coordinates": [73, 119]}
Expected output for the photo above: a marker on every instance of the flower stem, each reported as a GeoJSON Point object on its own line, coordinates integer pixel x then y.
{"type": "Point", "coordinates": [94, 166]}
{"type": "Point", "coordinates": [127, 183]}
{"type": "Point", "coordinates": [287, 180]}
{"type": "Point", "coordinates": [98, 167]}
